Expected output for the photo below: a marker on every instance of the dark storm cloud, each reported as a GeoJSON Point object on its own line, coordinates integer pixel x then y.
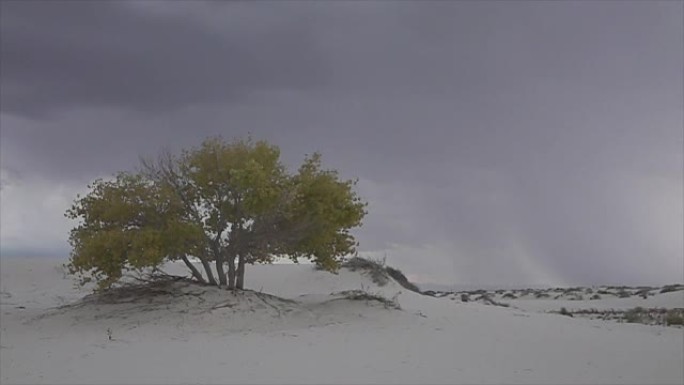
{"type": "Point", "coordinates": [66, 54]}
{"type": "Point", "coordinates": [495, 141]}
{"type": "Point", "coordinates": [58, 54]}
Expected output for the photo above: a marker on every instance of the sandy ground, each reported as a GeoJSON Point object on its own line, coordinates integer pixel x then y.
{"type": "Point", "coordinates": [296, 327]}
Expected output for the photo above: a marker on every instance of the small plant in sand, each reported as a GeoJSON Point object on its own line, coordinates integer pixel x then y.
{"type": "Point", "coordinates": [363, 295]}
{"type": "Point", "coordinates": [565, 312]}
{"type": "Point", "coordinates": [674, 317]}
{"type": "Point", "coordinates": [633, 315]}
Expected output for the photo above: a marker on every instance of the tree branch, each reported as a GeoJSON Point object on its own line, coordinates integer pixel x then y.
{"type": "Point", "coordinates": [193, 269]}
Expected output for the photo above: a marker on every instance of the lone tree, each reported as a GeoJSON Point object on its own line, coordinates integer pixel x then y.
{"type": "Point", "coordinates": [224, 203]}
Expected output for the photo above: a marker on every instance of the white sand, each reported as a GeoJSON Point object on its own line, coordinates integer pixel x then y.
{"type": "Point", "coordinates": [318, 339]}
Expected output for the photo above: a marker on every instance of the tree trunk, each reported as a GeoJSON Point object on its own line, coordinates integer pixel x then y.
{"type": "Point", "coordinates": [207, 269]}
{"type": "Point", "coordinates": [216, 249]}
{"type": "Point", "coordinates": [193, 269]}
{"type": "Point", "coordinates": [231, 272]}
{"type": "Point", "coordinates": [240, 273]}
{"type": "Point", "coordinates": [221, 273]}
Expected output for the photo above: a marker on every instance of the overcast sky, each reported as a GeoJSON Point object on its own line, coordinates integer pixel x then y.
{"type": "Point", "coordinates": [518, 142]}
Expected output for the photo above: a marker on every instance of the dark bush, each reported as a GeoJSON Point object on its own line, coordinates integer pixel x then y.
{"type": "Point", "coordinates": [398, 276]}
{"type": "Point", "coordinates": [376, 270]}
{"type": "Point", "coordinates": [379, 273]}
{"type": "Point", "coordinates": [360, 295]}
{"type": "Point", "coordinates": [671, 288]}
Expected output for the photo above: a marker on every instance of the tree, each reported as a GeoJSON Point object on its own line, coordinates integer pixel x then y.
{"type": "Point", "coordinates": [224, 203]}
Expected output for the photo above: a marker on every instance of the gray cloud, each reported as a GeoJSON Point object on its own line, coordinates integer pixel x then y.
{"type": "Point", "coordinates": [67, 54]}
{"type": "Point", "coordinates": [496, 142]}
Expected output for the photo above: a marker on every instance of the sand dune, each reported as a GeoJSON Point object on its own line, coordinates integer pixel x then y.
{"type": "Point", "coordinates": [298, 325]}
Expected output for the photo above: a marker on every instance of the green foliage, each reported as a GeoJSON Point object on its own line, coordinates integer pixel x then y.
{"type": "Point", "coordinates": [221, 202]}
{"type": "Point", "coordinates": [327, 208]}
{"type": "Point", "coordinates": [234, 181]}
{"type": "Point", "coordinates": [127, 224]}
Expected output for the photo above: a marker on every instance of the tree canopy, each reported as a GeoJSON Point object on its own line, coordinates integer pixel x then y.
{"type": "Point", "coordinates": [223, 203]}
